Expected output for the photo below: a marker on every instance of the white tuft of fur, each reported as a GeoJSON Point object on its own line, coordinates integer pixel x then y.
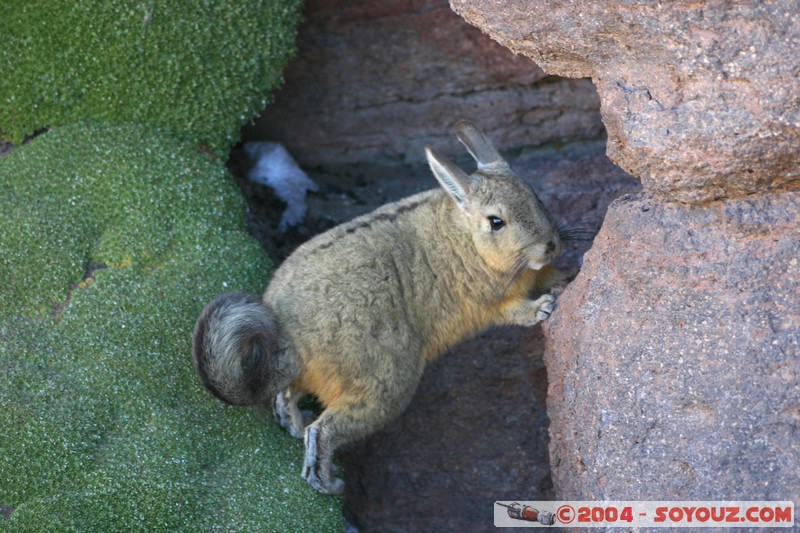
{"type": "Point", "coordinates": [276, 168]}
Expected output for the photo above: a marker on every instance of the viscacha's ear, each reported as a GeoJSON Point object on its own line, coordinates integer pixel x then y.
{"type": "Point", "coordinates": [452, 179]}
{"type": "Point", "coordinates": [478, 145]}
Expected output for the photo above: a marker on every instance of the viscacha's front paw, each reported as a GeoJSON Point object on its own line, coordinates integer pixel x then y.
{"type": "Point", "coordinates": [547, 304]}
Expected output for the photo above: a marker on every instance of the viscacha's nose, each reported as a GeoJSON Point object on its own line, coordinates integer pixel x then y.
{"type": "Point", "coordinates": [550, 248]}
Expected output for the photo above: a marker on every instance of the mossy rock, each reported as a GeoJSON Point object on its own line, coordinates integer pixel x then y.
{"type": "Point", "coordinates": [112, 240]}
{"type": "Point", "coordinates": [202, 69]}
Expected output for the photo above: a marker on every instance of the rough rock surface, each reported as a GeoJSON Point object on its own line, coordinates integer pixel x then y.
{"type": "Point", "coordinates": [673, 358]}
{"type": "Point", "coordinates": [375, 81]}
{"type": "Point", "coordinates": [700, 99]}
{"type": "Point", "coordinates": [479, 413]}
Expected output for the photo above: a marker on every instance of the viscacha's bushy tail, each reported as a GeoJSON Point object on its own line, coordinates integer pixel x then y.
{"type": "Point", "coordinates": [236, 350]}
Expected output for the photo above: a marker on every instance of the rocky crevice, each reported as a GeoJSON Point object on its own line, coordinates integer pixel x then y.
{"type": "Point", "coordinates": [673, 356]}
{"type": "Point", "coordinates": [372, 84]}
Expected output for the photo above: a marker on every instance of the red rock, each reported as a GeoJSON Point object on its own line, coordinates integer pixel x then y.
{"type": "Point", "coordinates": [700, 100]}
{"type": "Point", "coordinates": [673, 358]}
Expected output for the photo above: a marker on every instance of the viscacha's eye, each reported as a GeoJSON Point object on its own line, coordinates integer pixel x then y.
{"type": "Point", "coordinates": [496, 222]}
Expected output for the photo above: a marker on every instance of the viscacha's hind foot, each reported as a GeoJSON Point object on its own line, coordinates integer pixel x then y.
{"type": "Point", "coordinates": [317, 469]}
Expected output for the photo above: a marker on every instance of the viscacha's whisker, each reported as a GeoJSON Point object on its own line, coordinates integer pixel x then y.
{"type": "Point", "coordinates": [576, 233]}
{"type": "Point", "coordinates": [519, 267]}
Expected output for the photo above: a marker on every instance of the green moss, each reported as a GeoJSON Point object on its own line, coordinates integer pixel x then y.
{"type": "Point", "coordinates": [202, 69]}
{"type": "Point", "coordinates": [106, 426]}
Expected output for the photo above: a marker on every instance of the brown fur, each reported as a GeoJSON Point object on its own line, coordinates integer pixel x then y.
{"type": "Point", "coordinates": [364, 307]}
